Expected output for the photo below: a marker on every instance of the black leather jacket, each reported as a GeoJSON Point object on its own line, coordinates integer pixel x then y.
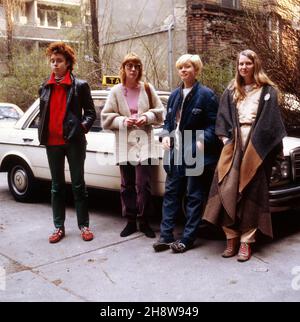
{"type": "Point", "coordinates": [75, 124]}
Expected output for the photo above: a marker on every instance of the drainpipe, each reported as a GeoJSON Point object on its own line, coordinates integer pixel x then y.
{"type": "Point", "coordinates": [170, 55]}
{"type": "Point", "coordinates": [170, 47]}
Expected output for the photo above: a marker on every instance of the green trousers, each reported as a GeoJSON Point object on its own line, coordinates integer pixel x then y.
{"type": "Point", "coordinates": [75, 153]}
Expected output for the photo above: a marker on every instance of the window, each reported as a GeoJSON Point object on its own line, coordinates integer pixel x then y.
{"type": "Point", "coordinates": [35, 122]}
{"type": "Point", "coordinates": [99, 104]}
{"type": "Point", "coordinates": [48, 18]}
{"type": "Point", "coordinates": [42, 17]}
{"type": "Point", "coordinates": [7, 112]}
{"type": "Point", "coordinates": [52, 18]}
{"type": "Point", "coordinates": [234, 4]}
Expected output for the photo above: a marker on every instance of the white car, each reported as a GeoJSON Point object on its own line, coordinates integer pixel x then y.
{"type": "Point", "coordinates": [26, 162]}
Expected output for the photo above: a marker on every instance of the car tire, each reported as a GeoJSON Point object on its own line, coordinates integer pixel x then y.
{"type": "Point", "coordinates": [21, 182]}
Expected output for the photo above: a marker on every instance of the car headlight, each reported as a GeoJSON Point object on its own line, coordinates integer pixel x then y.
{"type": "Point", "coordinates": [285, 169]}
{"type": "Point", "coordinates": [281, 171]}
{"type": "Point", "coordinates": [275, 175]}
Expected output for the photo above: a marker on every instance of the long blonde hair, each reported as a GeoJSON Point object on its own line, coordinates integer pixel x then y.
{"type": "Point", "coordinates": [260, 77]}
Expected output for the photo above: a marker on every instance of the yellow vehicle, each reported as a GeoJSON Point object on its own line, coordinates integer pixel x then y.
{"type": "Point", "coordinates": [110, 80]}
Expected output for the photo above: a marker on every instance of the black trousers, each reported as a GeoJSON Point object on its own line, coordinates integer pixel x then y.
{"type": "Point", "coordinates": [75, 153]}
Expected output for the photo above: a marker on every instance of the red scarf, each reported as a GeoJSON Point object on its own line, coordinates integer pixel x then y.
{"type": "Point", "coordinates": [58, 104]}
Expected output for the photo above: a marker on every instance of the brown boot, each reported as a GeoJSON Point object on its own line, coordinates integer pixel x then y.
{"type": "Point", "coordinates": [232, 247]}
{"type": "Point", "coordinates": [244, 252]}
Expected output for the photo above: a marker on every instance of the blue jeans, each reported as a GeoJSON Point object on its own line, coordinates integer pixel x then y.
{"type": "Point", "coordinates": [196, 189]}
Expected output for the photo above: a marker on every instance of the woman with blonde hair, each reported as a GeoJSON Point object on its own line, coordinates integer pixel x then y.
{"type": "Point", "coordinates": [192, 151]}
{"type": "Point", "coordinates": [130, 111]}
{"type": "Point", "coordinates": [250, 125]}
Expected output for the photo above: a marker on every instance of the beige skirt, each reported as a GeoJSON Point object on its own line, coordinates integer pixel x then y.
{"type": "Point", "coordinates": [245, 130]}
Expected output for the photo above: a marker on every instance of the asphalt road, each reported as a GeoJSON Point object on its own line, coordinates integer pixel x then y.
{"type": "Point", "coordinates": [111, 268]}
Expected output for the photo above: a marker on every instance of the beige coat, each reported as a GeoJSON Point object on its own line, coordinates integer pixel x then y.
{"type": "Point", "coordinates": [132, 144]}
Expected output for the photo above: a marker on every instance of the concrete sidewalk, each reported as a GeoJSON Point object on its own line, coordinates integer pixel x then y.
{"type": "Point", "coordinates": [111, 268]}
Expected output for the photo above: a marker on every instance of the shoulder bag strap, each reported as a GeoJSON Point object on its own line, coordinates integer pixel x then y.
{"type": "Point", "coordinates": [148, 91]}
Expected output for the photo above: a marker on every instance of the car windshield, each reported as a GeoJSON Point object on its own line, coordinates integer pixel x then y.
{"type": "Point", "coordinates": [8, 112]}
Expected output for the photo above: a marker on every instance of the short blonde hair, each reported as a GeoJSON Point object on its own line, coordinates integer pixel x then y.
{"type": "Point", "coordinates": [194, 59]}
{"type": "Point", "coordinates": [130, 58]}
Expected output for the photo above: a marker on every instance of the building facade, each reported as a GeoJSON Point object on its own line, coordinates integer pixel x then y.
{"type": "Point", "coordinates": [155, 30]}
{"type": "Point", "coordinates": [44, 21]}
{"type": "Point", "coordinates": [162, 30]}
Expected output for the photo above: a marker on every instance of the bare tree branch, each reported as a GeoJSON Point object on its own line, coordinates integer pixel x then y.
{"type": "Point", "coordinates": [273, 32]}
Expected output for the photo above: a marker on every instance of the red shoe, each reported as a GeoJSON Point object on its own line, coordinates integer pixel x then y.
{"type": "Point", "coordinates": [244, 252]}
{"type": "Point", "coordinates": [86, 234]}
{"type": "Point", "coordinates": [57, 235]}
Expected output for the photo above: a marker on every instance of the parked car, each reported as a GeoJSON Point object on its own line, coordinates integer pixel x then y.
{"type": "Point", "coordinates": [26, 162]}
{"type": "Point", "coordinates": [9, 114]}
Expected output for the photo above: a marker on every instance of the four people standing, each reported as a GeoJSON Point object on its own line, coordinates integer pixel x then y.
{"type": "Point", "coordinates": [248, 122]}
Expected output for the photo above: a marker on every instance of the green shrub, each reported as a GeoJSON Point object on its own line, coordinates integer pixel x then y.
{"type": "Point", "coordinates": [217, 72]}
{"type": "Point", "coordinates": [30, 69]}
{"type": "Point", "coordinates": [21, 87]}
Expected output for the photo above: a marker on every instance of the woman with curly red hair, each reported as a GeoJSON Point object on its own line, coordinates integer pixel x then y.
{"type": "Point", "coordinates": [66, 113]}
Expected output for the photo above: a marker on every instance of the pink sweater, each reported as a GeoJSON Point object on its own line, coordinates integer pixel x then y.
{"type": "Point", "coordinates": [132, 97]}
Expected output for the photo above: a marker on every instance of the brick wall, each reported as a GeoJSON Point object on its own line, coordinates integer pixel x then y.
{"type": "Point", "coordinates": [208, 24]}
{"type": "Point", "coordinates": [238, 2]}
